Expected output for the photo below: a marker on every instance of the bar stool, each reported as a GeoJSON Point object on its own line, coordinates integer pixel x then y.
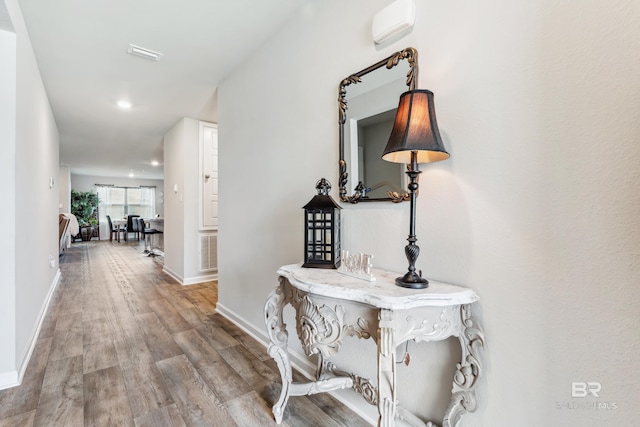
{"type": "Point", "coordinates": [146, 232]}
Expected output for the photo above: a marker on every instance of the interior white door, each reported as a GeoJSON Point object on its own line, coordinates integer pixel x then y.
{"type": "Point", "coordinates": [209, 157]}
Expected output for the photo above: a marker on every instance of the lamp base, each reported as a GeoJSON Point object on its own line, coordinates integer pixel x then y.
{"type": "Point", "coordinates": [412, 280]}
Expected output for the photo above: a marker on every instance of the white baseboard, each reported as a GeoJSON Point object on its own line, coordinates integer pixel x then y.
{"type": "Point", "coordinates": [9, 379]}
{"type": "Point", "coordinates": [190, 280]}
{"type": "Point", "coordinates": [301, 363]}
{"type": "Point", "coordinates": [173, 275]}
{"type": "Point", "coordinates": [200, 279]}
{"type": "Point", "coordinates": [258, 334]}
{"type": "Point", "coordinates": [14, 378]}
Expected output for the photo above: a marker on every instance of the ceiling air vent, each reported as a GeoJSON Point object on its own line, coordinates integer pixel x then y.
{"type": "Point", "coordinates": [144, 53]}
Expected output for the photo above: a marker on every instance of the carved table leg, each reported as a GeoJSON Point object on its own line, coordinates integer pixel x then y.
{"type": "Point", "coordinates": [277, 349]}
{"type": "Point", "coordinates": [386, 369]}
{"type": "Point", "coordinates": [279, 336]}
{"type": "Point", "coordinates": [463, 398]}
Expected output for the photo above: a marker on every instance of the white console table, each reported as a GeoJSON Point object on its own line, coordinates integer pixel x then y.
{"type": "Point", "coordinates": [330, 306]}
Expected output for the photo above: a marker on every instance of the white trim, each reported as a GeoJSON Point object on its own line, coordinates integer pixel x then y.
{"type": "Point", "coordinates": [190, 280]}
{"type": "Point", "coordinates": [200, 279]}
{"type": "Point", "coordinates": [36, 331]}
{"type": "Point", "coordinates": [14, 378]}
{"type": "Point", "coordinates": [257, 334]}
{"type": "Point", "coordinates": [302, 364]}
{"type": "Point", "coordinates": [9, 379]}
{"type": "Point", "coordinates": [173, 275]}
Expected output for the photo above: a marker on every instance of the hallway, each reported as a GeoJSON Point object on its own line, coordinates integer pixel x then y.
{"type": "Point", "coordinates": [123, 344]}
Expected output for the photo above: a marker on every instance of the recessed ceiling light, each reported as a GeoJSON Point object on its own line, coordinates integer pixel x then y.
{"type": "Point", "coordinates": [144, 53]}
{"type": "Point", "coordinates": [131, 175]}
{"type": "Point", "coordinates": [125, 105]}
{"type": "Point", "coordinates": [154, 163]}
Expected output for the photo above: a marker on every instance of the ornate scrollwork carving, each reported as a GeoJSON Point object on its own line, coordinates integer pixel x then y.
{"type": "Point", "coordinates": [277, 349]}
{"type": "Point", "coordinates": [468, 372]}
{"type": "Point", "coordinates": [342, 93]}
{"type": "Point", "coordinates": [361, 385]}
{"type": "Point", "coordinates": [411, 55]}
{"type": "Point", "coordinates": [361, 329]}
{"type": "Point", "coordinates": [320, 328]}
{"type": "Point", "coordinates": [343, 179]}
{"type": "Point", "coordinates": [276, 328]}
{"type": "Point", "coordinates": [397, 197]}
{"type": "Point", "coordinates": [342, 182]}
{"type": "Point", "coordinates": [431, 331]}
{"type": "Point", "coordinates": [367, 390]}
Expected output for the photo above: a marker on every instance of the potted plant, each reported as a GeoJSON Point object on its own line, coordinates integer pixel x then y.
{"type": "Point", "coordinates": [84, 205]}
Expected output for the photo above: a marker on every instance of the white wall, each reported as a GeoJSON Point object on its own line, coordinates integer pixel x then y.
{"type": "Point", "coordinates": [174, 211]}
{"type": "Point", "coordinates": [537, 209]}
{"type": "Point", "coordinates": [181, 226]}
{"type": "Point", "coordinates": [191, 206]}
{"type": "Point", "coordinates": [8, 373]}
{"type": "Point", "coordinates": [35, 204]}
{"type": "Point", "coordinates": [64, 189]}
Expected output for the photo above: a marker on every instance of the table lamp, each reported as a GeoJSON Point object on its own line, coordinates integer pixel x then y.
{"type": "Point", "coordinates": [414, 139]}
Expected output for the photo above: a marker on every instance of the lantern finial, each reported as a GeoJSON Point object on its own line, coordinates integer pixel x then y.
{"type": "Point", "coordinates": [323, 186]}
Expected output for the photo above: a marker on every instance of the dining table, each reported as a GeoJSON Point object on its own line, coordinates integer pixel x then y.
{"type": "Point", "coordinates": [120, 224]}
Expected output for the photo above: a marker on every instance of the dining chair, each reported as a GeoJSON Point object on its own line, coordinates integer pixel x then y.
{"type": "Point", "coordinates": [113, 229]}
{"type": "Point", "coordinates": [132, 225]}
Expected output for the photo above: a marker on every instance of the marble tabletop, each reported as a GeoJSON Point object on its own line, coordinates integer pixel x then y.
{"type": "Point", "coordinates": [383, 293]}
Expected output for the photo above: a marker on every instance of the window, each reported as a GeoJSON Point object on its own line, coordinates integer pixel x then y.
{"type": "Point", "coordinates": [118, 202]}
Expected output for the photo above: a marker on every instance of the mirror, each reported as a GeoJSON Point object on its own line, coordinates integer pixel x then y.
{"type": "Point", "coordinates": [367, 103]}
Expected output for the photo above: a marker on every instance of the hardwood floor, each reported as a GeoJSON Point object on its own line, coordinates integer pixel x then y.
{"type": "Point", "coordinates": [124, 345]}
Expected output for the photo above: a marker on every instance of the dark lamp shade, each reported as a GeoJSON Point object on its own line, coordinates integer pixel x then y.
{"type": "Point", "coordinates": [415, 129]}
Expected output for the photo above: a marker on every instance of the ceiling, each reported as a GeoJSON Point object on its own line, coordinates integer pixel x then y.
{"type": "Point", "coordinates": [81, 49]}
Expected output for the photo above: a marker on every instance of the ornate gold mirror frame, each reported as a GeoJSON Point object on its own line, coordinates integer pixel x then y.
{"type": "Point", "coordinates": [359, 192]}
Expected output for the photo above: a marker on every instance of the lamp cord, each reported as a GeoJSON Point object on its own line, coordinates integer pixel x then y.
{"type": "Point", "coordinates": [406, 358]}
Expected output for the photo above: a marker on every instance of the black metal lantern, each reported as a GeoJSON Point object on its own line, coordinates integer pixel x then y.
{"type": "Point", "coordinates": [322, 229]}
